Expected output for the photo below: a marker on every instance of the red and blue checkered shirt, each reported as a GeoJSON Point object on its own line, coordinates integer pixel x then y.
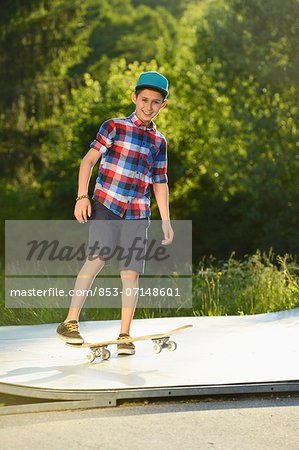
{"type": "Point", "coordinates": [133, 156]}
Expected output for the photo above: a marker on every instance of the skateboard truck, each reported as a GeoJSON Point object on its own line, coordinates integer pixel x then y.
{"type": "Point", "coordinates": [103, 352]}
{"type": "Point", "coordinates": [164, 342]}
{"type": "Point", "coordinates": [98, 352]}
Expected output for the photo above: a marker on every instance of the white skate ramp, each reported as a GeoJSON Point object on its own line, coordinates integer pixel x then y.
{"type": "Point", "coordinates": [215, 351]}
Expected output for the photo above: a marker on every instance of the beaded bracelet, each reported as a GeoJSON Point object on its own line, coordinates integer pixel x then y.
{"type": "Point", "coordinates": [82, 196]}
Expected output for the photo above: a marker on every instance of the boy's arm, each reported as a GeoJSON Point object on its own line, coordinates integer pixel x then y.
{"type": "Point", "coordinates": [161, 195]}
{"type": "Point", "coordinates": [83, 206]}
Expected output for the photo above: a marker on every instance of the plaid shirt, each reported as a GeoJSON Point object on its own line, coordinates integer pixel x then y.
{"type": "Point", "coordinates": [133, 156]}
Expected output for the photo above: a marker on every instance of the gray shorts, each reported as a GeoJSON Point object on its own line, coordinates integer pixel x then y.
{"type": "Point", "coordinates": [114, 238]}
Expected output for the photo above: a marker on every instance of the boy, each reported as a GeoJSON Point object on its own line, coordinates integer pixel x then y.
{"type": "Point", "coordinates": [134, 154]}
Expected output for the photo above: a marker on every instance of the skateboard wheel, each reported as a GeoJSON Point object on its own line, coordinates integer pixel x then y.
{"type": "Point", "coordinates": [157, 348]}
{"type": "Point", "coordinates": [172, 346]}
{"type": "Point", "coordinates": [106, 354]}
{"type": "Point", "coordinates": [91, 357]}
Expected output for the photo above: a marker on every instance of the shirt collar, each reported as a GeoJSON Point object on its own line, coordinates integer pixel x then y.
{"type": "Point", "coordinates": [139, 123]}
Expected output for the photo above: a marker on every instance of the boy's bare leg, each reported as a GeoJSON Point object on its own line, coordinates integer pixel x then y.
{"type": "Point", "coordinates": [129, 282]}
{"type": "Point", "coordinates": [83, 282]}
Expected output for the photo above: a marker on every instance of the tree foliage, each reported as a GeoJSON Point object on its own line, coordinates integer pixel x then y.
{"type": "Point", "coordinates": [39, 42]}
{"type": "Point", "coordinates": [235, 144]}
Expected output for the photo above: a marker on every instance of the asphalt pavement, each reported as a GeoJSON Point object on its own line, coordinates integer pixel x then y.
{"type": "Point", "coordinates": [227, 423]}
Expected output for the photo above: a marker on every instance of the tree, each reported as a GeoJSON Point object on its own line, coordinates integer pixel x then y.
{"type": "Point", "coordinates": [40, 40]}
{"type": "Point", "coordinates": [121, 29]}
{"type": "Point", "coordinates": [234, 133]}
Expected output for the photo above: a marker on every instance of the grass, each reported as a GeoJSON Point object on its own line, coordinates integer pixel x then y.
{"type": "Point", "coordinates": [260, 283]}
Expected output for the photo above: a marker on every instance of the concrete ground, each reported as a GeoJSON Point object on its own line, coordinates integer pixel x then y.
{"type": "Point", "coordinates": [222, 423]}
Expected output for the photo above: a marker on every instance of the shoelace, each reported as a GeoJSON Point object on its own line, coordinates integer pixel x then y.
{"type": "Point", "coordinates": [72, 326]}
{"type": "Point", "coordinates": [123, 338]}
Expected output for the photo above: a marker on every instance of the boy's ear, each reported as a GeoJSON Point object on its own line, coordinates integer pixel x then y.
{"type": "Point", "coordinates": [164, 104]}
{"type": "Point", "coordinates": [134, 97]}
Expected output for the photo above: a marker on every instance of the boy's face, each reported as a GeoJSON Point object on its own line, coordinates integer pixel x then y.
{"type": "Point", "coordinates": [148, 104]}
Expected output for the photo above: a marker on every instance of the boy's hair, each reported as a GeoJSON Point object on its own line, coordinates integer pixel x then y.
{"type": "Point", "coordinates": [138, 90]}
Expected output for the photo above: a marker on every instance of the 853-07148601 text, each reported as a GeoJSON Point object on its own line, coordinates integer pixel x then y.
{"type": "Point", "coordinates": [141, 292]}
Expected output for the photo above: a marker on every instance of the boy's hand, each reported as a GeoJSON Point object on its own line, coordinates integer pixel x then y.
{"type": "Point", "coordinates": [82, 209]}
{"type": "Point", "coordinates": [168, 232]}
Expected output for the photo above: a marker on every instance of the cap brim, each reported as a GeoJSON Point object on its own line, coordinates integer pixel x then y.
{"type": "Point", "coordinates": [163, 91]}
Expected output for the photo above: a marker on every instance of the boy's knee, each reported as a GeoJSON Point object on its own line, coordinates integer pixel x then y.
{"type": "Point", "coordinates": [129, 275]}
{"type": "Point", "coordinates": [93, 264]}
{"type": "Point", "coordinates": [97, 259]}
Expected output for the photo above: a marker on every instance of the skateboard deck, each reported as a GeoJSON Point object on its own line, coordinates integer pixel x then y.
{"type": "Point", "coordinates": [100, 350]}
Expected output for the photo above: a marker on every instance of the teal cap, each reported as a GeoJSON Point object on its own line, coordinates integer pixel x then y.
{"type": "Point", "coordinates": [153, 80]}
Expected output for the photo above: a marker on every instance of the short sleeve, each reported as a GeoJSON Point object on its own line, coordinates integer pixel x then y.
{"type": "Point", "coordinates": [105, 137]}
{"type": "Point", "coordinates": [159, 168]}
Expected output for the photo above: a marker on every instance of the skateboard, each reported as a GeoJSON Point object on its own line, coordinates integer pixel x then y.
{"type": "Point", "coordinates": [100, 350]}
